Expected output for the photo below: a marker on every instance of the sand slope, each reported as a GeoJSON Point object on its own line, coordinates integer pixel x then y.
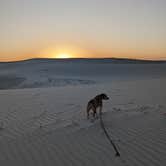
{"type": "Point", "coordinates": [140, 140]}
{"type": "Point", "coordinates": [42, 127]}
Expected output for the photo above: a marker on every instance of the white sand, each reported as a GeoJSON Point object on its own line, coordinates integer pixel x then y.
{"type": "Point", "coordinates": [48, 126]}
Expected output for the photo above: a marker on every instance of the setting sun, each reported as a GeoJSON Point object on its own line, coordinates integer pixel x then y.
{"type": "Point", "coordinates": [63, 56]}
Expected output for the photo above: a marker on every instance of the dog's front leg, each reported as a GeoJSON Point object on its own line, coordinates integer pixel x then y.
{"type": "Point", "coordinates": [94, 112]}
{"type": "Point", "coordinates": [100, 110]}
{"type": "Point", "coordinates": [97, 114]}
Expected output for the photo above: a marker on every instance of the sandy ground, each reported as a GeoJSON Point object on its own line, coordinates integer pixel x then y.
{"type": "Point", "coordinates": [48, 126]}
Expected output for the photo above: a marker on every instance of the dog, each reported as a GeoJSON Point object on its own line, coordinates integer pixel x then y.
{"type": "Point", "coordinates": [96, 102]}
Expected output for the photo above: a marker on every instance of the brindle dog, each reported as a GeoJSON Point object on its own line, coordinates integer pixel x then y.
{"type": "Point", "coordinates": [96, 102]}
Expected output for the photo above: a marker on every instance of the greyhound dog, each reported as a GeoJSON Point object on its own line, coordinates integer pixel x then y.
{"type": "Point", "coordinates": [96, 102]}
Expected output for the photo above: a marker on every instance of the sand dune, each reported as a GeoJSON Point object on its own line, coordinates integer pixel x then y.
{"type": "Point", "coordinates": [44, 127]}
{"type": "Point", "coordinates": [39, 73]}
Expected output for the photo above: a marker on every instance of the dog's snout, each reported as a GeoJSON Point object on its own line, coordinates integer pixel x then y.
{"type": "Point", "coordinates": [106, 98]}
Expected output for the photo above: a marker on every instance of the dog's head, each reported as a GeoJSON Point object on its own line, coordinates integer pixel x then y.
{"type": "Point", "coordinates": [104, 96]}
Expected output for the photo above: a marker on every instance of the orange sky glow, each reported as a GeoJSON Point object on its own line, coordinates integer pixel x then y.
{"type": "Point", "coordinates": [82, 29]}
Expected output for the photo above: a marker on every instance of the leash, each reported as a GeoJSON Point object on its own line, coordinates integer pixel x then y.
{"type": "Point", "coordinates": [108, 137]}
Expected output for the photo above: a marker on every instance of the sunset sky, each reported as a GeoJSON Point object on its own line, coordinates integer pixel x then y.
{"type": "Point", "coordinates": [82, 28]}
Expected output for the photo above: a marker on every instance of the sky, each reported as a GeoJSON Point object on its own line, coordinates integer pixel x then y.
{"type": "Point", "coordinates": [82, 28]}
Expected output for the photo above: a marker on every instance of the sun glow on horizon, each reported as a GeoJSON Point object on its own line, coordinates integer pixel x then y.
{"type": "Point", "coordinates": [63, 56]}
{"type": "Point", "coordinates": [62, 51]}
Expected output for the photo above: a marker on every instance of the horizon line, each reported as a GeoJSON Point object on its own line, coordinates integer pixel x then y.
{"type": "Point", "coordinates": [115, 58]}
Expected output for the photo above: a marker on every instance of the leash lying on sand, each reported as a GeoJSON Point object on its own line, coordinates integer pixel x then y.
{"type": "Point", "coordinates": [108, 137]}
